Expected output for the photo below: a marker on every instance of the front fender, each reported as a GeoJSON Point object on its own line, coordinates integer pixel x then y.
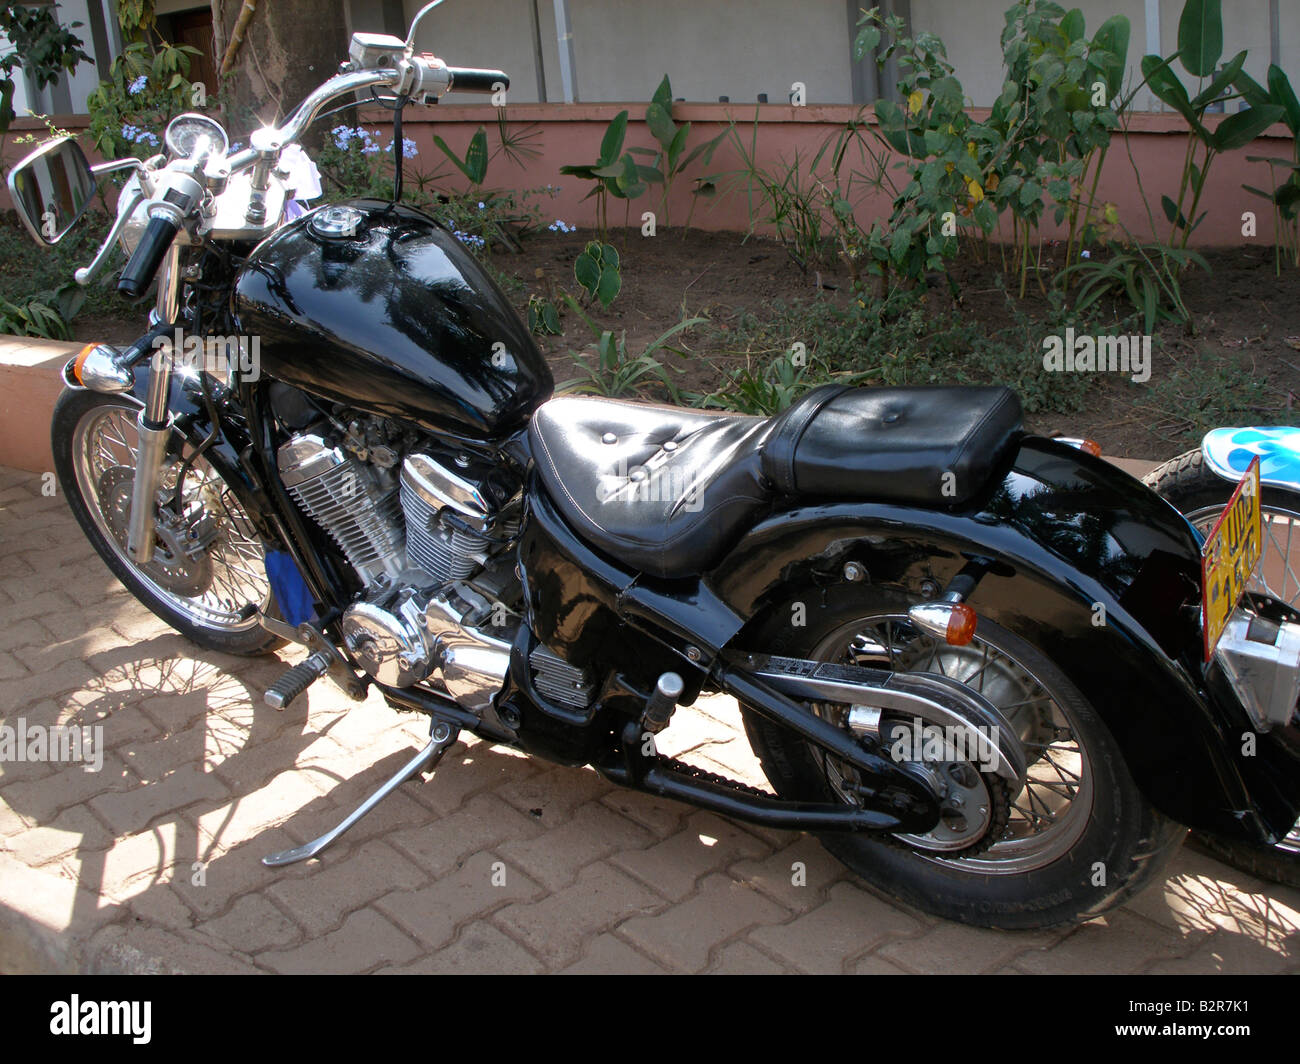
{"type": "Point", "coordinates": [1096, 571]}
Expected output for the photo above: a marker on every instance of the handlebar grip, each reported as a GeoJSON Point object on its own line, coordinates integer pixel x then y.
{"type": "Point", "coordinates": [147, 257]}
{"type": "Point", "coordinates": [469, 79]}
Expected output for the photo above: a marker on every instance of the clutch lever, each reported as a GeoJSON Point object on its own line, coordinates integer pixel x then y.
{"type": "Point", "coordinates": [84, 275]}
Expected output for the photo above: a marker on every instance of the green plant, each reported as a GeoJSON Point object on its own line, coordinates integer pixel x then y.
{"type": "Point", "coordinates": [671, 159]}
{"type": "Point", "coordinates": [614, 173]}
{"type": "Point", "coordinates": [1285, 196]}
{"type": "Point", "coordinates": [147, 86]}
{"type": "Point", "coordinates": [618, 372]}
{"type": "Point", "coordinates": [597, 271]}
{"type": "Point", "coordinates": [1146, 275]}
{"type": "Point", "coordinates": [765, 391]}
{"type": "Point", "coordinates": [543, 316]}
{"type": "Point", "coordinates": [40, 46]}
{"type": "Point", "coordinates": [475, 163]}
{"type": "Point", "coordinates": [1059, 105]}
{"type": "Point", "coordinates": [45, 314]}
{"type": "Point", "coordinates": [1200, 47]}
{"type": "Point", "coordinates": [940, 142]}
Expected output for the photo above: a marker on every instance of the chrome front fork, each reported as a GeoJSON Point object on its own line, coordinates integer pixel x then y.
{"type": "Point", "coordinates": [153, 424]}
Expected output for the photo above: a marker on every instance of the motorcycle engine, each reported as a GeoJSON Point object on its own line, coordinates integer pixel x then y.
{"type": "Point", "coordinates": [426, 532]}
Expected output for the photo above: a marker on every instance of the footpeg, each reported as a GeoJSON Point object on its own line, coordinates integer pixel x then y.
{"type": "Point", "coordinates": [659, 709]}
{"type": "Point", "coordinates": [297, 680]}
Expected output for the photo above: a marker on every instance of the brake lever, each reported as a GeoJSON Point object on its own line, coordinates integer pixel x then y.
{"type": "Point", "coordinates": [86, 274]}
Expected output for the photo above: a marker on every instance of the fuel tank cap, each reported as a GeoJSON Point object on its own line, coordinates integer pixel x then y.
{"type": "Point", "coordinates": [338, 222]}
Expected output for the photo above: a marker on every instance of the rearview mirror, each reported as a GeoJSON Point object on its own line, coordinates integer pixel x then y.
{"type": "Point", "coordinates": [52, 188]}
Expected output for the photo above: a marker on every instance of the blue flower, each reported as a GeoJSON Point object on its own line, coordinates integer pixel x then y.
{"type": "Point", "coordinates": [137, 86]}
{"type": "Point", "coordinates": [482, 206]}
{"type": "Point", "coordinates": [558, 226]}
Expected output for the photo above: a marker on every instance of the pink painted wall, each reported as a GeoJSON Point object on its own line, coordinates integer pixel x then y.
{"type": "Point", "coordinates": [571, 134]}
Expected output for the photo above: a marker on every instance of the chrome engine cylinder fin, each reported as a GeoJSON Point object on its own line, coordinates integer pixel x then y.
{"type": "Point", "coordinates": [560, 681]}
{"type": "Point", "coordinates": [426, 489]}
{"type": "Point", "coordinates": [346, 499]}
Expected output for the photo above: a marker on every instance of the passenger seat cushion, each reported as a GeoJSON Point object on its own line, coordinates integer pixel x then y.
{"type": "Point", "coordinates": [931, 446]}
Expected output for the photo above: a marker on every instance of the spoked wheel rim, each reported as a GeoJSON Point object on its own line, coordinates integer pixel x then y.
{"type": "Point", "coordinates": [1051, 812]}
{"type": "Point", "coordinates": [1278, 571]}
{"type": "Point", "coordinates": [219, 586]}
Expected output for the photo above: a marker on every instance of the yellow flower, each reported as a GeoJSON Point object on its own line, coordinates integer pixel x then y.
{"type": "Point", "coordinates": [976, 193]}
{"type": "Point", "coordinates": [914, 101]}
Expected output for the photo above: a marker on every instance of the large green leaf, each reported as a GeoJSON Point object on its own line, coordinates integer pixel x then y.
{"type": "Point", "coordinates": [476, 157]}
{"type": "Point", "coordinates": [664, 94]}
{"type": "Point", "coordinates": [1236, 131]}
{"type": "Point", "coordinates": [1228, 76]}
{"type": "Point", "coordinates": [1251, 90]}
{"type": "Point", "coordinates": [587, 272]}
{"type": "Point", "coordinates": [1072, 25]}
{"type": "Point", "coordinates": [1113, 37]}
{"type": "Point", "coordinates": [661, 124]}
{"type": "Point", "coordinates": [1280, 90]}
{"type": "Point", "coordinates": [611, 145]}
{"type": "Point", "coordinates": [607, 288]}
{"type": "Point", "coordinates": [1200, 36]}
{"type": "Point", "coordinates": [1165, 84]}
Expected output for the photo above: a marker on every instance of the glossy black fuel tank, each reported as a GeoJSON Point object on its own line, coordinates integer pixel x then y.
{"type": "Point", "coordinates": [398, 318]}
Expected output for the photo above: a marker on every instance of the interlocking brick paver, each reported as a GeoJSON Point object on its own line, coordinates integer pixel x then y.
{"type": "Point", "coordinates": [555, 927]}
{"type": "Point", "coordinates": [319, 897]}
{"type": "Point", "coordinates": [682, 936]}
{"type": "Point", "coordinates": [157, 858]}
{"type": "Point", "coordinates": [480, 949]}
{"type": "Point", "coordinates": [610, 955]}
{"type": "Point", "coordinates": [797, 876]}
{"type": "Point", "coordinates": [73, 829]}
{"type": "Point", "coordinates": [255, 924]}
{"type": "Point", "coordinates": [433, 913]}
{"type": "Point", "coordinates": [556, 857]}
{"type": "Point", "coordinates": [849, 922]}
{"type": "Point", "coordinates": [1134, 944]}
{"type": "Point", "coordinates": [704, 844]}
{"type": "Point", "coordinates": [955, 949]}
{"type": "Point", "coordinates": [365, 941]}
{"type": "Point", "coordinates": [440, 844]}
{"type": "Point", "coordinates": [740, 958]}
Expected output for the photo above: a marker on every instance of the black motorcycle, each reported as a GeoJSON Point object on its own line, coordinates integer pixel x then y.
{"type": "Point", "coordinates": [969, 659]}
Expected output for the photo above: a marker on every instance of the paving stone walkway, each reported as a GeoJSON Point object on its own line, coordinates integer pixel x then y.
{"type": "Point", "coordinates": [499, 863]}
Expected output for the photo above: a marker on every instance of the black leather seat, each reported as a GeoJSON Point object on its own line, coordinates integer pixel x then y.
{"type": "Point", "coordinates": [929, 446]}
{"type": "Point", "coordinates": [662, 489]}
{"type": "Point", "coordinates": [668, 491]}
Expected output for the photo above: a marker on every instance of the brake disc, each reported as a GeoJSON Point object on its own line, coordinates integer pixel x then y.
{"type": "Point", "coordinates": [182, 572]}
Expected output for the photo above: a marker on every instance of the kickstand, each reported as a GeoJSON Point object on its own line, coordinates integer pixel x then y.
{"type": "Point", "coordinates": [441, 736]}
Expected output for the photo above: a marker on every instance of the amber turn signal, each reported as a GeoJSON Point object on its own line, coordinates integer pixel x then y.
{"type": "Point", "coordinates": [961, 625]}
{"type": "Point", "coordinates": [79, 363]}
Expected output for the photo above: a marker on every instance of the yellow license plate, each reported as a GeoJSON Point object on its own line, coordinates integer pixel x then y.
{"type": "Point", "coordinates": [1229, 556]}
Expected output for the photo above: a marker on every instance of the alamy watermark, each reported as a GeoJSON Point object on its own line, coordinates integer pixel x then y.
{"type": "Point", "coordinates": [1098, 354]}
{"type": "Point", "coordinates": [21, 741]}
{"type": "Point", "coordinates": [639, 484]}
{"type": "Point", "coordinates": [218, 356]}
{"type": "Point", "coordinates": [933, 743]}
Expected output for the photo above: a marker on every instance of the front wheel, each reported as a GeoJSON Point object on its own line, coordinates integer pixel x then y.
{"type": "Point", "coordinates": [207, 578]}
{"type": "Point", "coordinates": [1077, 839]}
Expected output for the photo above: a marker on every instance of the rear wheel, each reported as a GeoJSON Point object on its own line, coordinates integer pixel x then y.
{"type": "Point", "coordinates": [1200, 495]}
{"type": "Point", "coordinates": [207, 579]}
{"type": "Point", "coordinates": [1075, 840]}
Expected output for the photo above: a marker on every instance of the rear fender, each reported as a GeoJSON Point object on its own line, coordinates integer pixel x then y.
{"type": "Point", "coordinates": [1096, 571]}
